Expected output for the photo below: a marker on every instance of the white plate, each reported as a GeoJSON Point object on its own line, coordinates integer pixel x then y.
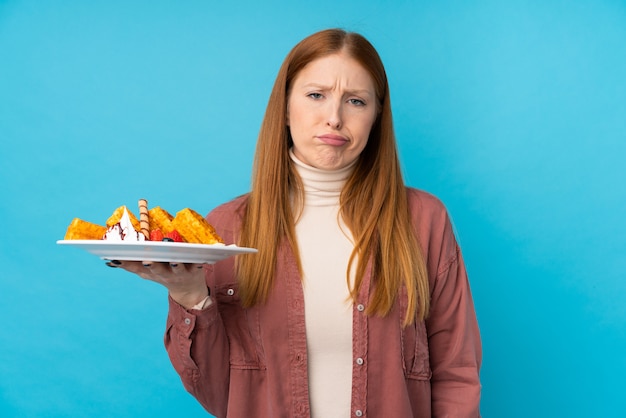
{"type": "Point", "coordinates": [158, 250]}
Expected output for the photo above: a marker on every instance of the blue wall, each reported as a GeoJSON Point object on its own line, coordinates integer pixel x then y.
{"type": "Point", "coordinates": [512, 112]}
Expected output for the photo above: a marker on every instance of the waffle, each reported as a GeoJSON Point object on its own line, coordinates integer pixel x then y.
{"type": "Point", "coordinates": [80, 229]}
{"type": "Point", "coordinates": [194, 228]}
{"type": "Point", "coordinates": [160, 219]}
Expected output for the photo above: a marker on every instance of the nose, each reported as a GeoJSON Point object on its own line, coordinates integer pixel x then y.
{"type": "Point", "coordinates": [334, 119]}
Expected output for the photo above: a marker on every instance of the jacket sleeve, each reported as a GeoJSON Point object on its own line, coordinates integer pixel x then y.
{"type": "Point", "coordinates": [197, 345]}
{"type": "Point", "coordinates": [453, 336]}
{"type": "Point", "coordinates": [196, 340]}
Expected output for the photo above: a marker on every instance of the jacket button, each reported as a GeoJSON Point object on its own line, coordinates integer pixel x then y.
{"type": "Point", "coordinates": [360, 307]}
{"type": "Point", "coordinates": [230, 292]}
{"type": "Point", "coordinates": [358, 413]}
{"type": "Point", "coordinates": [359, 361]}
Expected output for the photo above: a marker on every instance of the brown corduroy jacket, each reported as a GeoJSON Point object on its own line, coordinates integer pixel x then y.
{"type": "Point", "coordinates": [253, 362]}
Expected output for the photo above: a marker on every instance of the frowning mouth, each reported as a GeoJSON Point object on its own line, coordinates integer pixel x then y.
{"type": "Point", "coordinates": [333, 139]}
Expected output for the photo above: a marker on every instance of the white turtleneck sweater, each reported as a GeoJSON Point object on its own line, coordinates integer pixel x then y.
{"type": "Point", "coordinates": [325, 245]}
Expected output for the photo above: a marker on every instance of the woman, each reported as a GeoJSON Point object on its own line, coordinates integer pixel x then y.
{"type": "Point", "coordinates": [357, 303]}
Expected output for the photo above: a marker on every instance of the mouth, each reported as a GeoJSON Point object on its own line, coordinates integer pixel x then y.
{"type": "Point", "coordinates": [333, 139]}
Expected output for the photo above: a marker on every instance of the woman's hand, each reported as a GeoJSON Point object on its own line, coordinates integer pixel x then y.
{"type": "Point", "coordinates": [185, 282]}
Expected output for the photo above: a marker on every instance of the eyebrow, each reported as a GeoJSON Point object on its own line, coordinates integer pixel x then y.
{"type": "Point", "coordinates": [350, 91]}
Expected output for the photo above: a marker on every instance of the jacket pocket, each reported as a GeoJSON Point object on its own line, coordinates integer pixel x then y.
{"type": "Point", "coordinates": [415, 352]}
{"type": "Point", "coordinates": [242, 328]}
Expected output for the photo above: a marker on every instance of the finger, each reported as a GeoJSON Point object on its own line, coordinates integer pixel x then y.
{"type": "Point", "coordinates": [131, 266]}
{"type": "Point", "coordinates": [193, 267]}
{"type": "Point", "coordinates": [185, 266]}
{"type": "Point", "coordinates": [182, 268]}
{"type": "Point", "coordinates": [113, 263]}
{"type": "Point", "coordinates": [154, 271]}
{"type": "Point", "coordinates": [156, 267]}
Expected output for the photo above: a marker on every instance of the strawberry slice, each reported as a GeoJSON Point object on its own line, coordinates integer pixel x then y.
{"type": "Point", "coordinates": [173, 236]}
{"type": "Point", "coordinates": [156, 235]}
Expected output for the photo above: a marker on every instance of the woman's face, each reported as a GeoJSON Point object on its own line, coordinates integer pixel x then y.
{"type": "Point", "coordinates": [330, 111]}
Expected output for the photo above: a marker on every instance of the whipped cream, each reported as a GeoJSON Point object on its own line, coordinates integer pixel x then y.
{"type": "Point", "coordinates": [123, 230]}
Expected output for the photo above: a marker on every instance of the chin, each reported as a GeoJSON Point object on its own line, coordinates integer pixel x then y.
{"type": "Point", "coordinates": [330, 160]}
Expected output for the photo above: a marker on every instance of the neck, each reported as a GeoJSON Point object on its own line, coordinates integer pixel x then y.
{"type": "Point", "coordinates": [321, 187]}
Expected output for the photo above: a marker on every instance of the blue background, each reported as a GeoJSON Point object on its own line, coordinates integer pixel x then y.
{"type": "Point", "coordinates": [512, 112]}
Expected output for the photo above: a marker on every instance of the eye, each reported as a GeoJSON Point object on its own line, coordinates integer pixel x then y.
{"type": "Point", "coordinates": [356, 102]}
{"type": "Point", "coordinates": [315, 96]}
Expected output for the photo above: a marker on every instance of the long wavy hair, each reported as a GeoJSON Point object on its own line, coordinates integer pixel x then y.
{"type": "Point", "coordinates": [373, 201]}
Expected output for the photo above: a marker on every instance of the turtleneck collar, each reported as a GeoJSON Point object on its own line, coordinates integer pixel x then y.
{"type": "Point", "coordinates": [321, 187]}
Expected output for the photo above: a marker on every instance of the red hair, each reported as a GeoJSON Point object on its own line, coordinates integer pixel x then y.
{"type": "Point", "coordinates": [373, 202]}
